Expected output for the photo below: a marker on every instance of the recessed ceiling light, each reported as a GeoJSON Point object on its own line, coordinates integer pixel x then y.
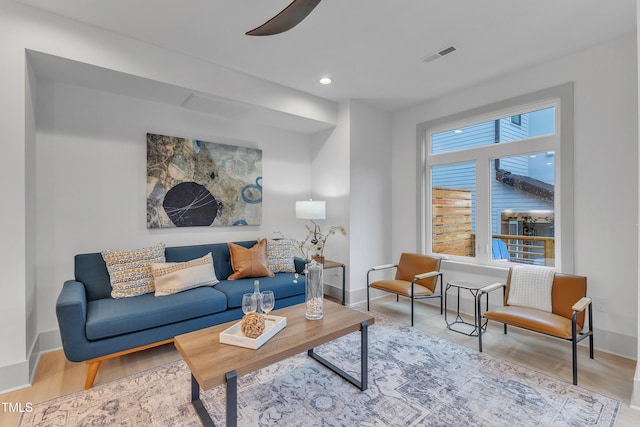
{"type": "Point", "coordinates": [457, 131]}
{"type": "Point", "coordinates": [326, 81]}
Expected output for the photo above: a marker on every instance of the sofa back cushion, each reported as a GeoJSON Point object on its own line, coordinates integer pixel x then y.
{"type": "Point", "coordinates": [91, 269]}
{"type": "Point", "coordinates": [219, 251]}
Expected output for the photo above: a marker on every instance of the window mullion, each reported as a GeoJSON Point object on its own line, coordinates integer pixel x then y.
{"type": "Point", "coordinates": [483, 210]}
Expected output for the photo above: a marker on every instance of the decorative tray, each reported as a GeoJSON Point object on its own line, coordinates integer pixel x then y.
{"type": "Point", "coordinates": [234, 335]}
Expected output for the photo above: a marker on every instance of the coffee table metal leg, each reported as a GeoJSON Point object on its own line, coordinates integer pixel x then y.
{"type": "Point", "coordinates": [232, 398]}
{"type": "Point", "coordinates": [364, 356]}
{"type": "Point", "coordinates": [204, 416]}
{"type": "Point", "coordinates": [362, 384]}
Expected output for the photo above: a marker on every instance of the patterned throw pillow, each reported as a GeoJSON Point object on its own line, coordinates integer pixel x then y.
{"type": "Point", "coordinates": [250, 262]}
{"type": "Point", "coordinates": [173, 277]}
{"type": "Point", "coordinates": [280, 253]}
{"type": "Point", "coordinates": [130, 271]}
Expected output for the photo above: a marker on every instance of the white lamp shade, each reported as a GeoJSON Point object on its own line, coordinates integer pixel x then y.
{"type": "Point", "coordinates": [311, 209]}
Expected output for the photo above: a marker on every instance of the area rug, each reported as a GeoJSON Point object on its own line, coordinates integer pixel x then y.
{"type": "Point", "coordinates": [414, 380]}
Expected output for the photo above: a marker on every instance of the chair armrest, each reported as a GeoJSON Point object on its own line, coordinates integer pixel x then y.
{"type": "Point", "coordinates": [425, 275]}
{"type": "Point", "coordinates": [377, 268]}
{"type": "Point", "coordinates": [382, 267]}
{"type": "Point", "coordinates": [491, 287]}
{"type": "Point", "coordinates": [581, 304]}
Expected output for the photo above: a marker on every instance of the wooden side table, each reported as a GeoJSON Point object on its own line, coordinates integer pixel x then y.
{"type": "Point", "coordinates": [326, 264]}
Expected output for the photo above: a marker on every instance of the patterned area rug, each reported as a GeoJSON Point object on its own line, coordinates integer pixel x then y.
{"type": "Point", "coordinates": [414, 380]}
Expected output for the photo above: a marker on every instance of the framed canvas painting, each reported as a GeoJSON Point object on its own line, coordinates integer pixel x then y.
{"type": "Point", "coordinates": [193, 183]}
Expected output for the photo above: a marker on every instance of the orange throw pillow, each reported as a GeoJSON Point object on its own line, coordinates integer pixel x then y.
{"type": "Point", "coordinates": [252, 262]}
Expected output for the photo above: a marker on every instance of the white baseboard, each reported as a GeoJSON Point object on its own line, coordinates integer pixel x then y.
{"type": "Point", "coordinates": [20, 375]}
{"type": "Point", "coordinates": [14, 377]}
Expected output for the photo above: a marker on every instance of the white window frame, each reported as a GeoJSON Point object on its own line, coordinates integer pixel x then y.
{"type": "Point", "coordinates": [561, 142]}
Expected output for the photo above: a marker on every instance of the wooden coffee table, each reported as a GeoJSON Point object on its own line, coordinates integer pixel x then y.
{"type": "Point", "coordinates": [212, 363]}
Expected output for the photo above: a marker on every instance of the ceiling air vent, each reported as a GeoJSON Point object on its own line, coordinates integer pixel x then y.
{"type": "Point", "coordinates": [439, 54]}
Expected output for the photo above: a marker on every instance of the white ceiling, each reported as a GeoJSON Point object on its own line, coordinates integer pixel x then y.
{"type": "Point", "coordinates": [373, 49]}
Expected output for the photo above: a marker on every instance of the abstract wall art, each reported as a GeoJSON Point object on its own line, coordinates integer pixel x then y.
{"type": "Point", "coordinates": [194, 183]}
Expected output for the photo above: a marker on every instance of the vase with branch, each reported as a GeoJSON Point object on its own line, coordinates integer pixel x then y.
{"type": "Point", "coordinates": [312, 247]}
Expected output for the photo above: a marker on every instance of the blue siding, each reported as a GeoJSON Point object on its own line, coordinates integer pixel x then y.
{"type": "Point", "coordinates": [471, 136]}
{"type": "Point", "coordinates": [513, 132]}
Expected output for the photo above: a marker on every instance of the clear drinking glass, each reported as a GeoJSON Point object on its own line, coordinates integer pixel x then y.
{"type": "Point", "coordinates": [268, 302]}
{"type": "Point", "coordinates": [249, 303]}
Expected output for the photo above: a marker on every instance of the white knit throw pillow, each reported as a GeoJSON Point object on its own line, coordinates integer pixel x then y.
{"type": "Point", "coordinates": [173, 277]}
{"type": "Point", "coordinates": [530, 286]}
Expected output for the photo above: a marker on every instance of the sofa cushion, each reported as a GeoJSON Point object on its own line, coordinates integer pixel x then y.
{"type": "Point", "coordinates": [173, 277]}
{"type": "Point", "coordinates": [219, 251]}
{"type": "Point", "coordinates": [91, 270]}
{"type": "Point", "coordinates": [533, 319]}
{"type": "Point", "coordinates": [130, 270]}
{"type": "Point", "coordinates": [280, 253]}
{"type": "Point", "coordinates": [251, 262]}
{"type": "Point", "coordinates": [112, 317]}
{"type": "Point", "coordinates": [282, 285]}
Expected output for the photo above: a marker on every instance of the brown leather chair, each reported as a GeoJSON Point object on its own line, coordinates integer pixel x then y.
{"type": "Point", "coordinates": [416, 278]}
{"type": "Point", "coordinates": [566, 321]}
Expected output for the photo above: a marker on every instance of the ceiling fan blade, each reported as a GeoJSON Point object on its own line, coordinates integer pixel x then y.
{"type": "Point", "coordinates": [290, 16]}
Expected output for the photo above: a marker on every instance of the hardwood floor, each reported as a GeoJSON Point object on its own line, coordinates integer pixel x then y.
{"type": "Point", "coordinates": [606, 374]}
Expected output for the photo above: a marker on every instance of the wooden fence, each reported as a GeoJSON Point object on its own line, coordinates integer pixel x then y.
{"type": "Point", "coordinates": [451, 222]}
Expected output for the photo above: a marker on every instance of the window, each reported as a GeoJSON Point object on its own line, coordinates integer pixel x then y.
{"type": "Point", "coordinates": [491, 188]}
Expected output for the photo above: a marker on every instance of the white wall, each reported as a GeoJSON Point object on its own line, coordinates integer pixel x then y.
{"type": "Point", "coordinates": [606, 173]}
{"type": "Point", "coordinates": [370, 195]}
{"type": "Point", "coordinates": [31, 307]}
{"type": "Point", "coordinates": [351, 170]}
{"type": "Point", "coordinates": [635, 397]}
{"type": "Point", "coordinates": [330, 160]}
{"type": "Point", "coordinates": [13, 221]}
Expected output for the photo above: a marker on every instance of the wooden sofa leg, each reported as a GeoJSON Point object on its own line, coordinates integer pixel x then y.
{"type": "Point", "coordinates": [94, 364]}
{"type": "Point", "coordinates": [92, 371]}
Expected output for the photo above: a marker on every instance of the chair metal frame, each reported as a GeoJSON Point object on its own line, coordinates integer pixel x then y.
{"type": "Point", "coordinates": [415, 279]}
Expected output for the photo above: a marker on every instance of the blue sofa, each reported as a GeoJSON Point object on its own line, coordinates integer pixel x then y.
{"type": "Point", "coordinates": [95, 327]}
